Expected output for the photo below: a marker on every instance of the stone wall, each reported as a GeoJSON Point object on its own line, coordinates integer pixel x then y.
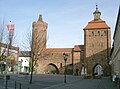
{"type": "Point", "coordinates": [96, 49]}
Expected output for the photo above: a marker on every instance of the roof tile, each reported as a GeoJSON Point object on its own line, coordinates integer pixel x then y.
{"type": "Point", "coordinates": [96, 24]}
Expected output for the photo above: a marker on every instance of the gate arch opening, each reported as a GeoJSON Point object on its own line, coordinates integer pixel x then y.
{"type": "Point", "coordinates": [51, 69]}
{"type": "Point", "coordinates": [97, 70]}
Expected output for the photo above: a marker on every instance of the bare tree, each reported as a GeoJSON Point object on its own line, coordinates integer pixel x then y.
{"type": "Point", "coordinates": [1, 31]}
{"type": "Point", "coordinates": [2, 53]}
{"type": "Point", "coordinates": [37, 49]}
{"type": "Point", "coordinates": [2, 58]}
{"type": "Point", "coordinates": [35, 42]}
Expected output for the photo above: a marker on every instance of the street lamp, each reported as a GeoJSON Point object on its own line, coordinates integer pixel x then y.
{"type": "Point", "coordinates": [65, 59]}
{"type": "Point", "coordinates": [10, 28]}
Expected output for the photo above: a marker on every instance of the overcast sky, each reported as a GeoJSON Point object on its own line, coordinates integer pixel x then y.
{"type": "Point", "coordinates": [66, 18]}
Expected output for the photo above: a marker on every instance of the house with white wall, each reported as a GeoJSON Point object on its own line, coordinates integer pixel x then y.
{"type": "Point", "coordinates": [23, 60]}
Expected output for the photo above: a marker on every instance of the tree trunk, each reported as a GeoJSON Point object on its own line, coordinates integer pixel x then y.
{"type": "Point", "coordinates": [31, 75]}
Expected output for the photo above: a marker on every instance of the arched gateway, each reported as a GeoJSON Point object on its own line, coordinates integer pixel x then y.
{"type": "Point", "coordinates": [51, 69]}
{"type": "Point", "coordinates": [97, 70]}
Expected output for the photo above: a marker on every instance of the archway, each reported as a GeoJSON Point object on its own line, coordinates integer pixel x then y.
{"type": "Point", "coordinates": [51, 69]}
{"type": "Point", "coordinates": [97, 70]}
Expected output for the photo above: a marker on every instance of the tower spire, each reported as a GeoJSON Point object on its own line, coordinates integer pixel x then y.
{"type": "Point", "coordinates": [97, 13]}
{"type": "Point", "coordinates": [40, 18]}
{"type": "Point", "coordinates": [96, 7]}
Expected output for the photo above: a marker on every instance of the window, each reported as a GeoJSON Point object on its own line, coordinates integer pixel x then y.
{"type": "Point", "coordinates": [21, 60]}
{"type": "Point", "coordinates": [105, 33]}
{"type": "Point", "coordinates": [98, 33]}
{"type": "Point", "coordinates": [60, 65]}
{"type": "Point", "coordinates": [92, 33]}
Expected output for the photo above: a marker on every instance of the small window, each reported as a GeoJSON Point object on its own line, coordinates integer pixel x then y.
{"type": "Point", "coordinates": [92, 33]}
{"type": "Point", "coordinates": [21, 60]}
{"type": "Point", "coordinates": [98, 33]}
{"type": "Point", "coordinates": [60, 65]}
{"type": "Point", "coordinates": [105, 33]}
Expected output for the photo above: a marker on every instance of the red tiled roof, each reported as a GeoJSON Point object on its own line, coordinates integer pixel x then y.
{"type": "Point", "coordinates": [78, 47]}
{"type": "Point", "coordinates": [96, 24]}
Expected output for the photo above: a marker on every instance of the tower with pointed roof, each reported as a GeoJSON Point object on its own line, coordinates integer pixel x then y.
{"type": "Point", "coordinates": [39, 32]}
{"type": "Point", "coordinates": [97, 42]}
{"type": "Point", "coordinates": [97, 13]}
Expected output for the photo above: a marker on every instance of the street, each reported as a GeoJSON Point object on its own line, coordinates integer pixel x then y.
{"type": "Point", "coordinates": [47, 81]}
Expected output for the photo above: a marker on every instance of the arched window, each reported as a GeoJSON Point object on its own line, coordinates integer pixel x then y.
{"type": "Point", "coordinates": [60, 65]}
{"type": "Point", "coordinates": [98, 33]}
{"type": "Point", "coordinates": [92, 33]}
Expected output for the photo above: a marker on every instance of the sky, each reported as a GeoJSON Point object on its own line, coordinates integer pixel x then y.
{"type": "Point", "coordinates": [66, 18]}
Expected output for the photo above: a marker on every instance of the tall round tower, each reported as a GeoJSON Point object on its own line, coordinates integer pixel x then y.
{"type": "Point", "coordinates": [39, 32]}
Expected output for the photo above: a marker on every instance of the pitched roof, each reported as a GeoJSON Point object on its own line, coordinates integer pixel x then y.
{"type": "Point", "coordinates": [96, 24]}
{"type": "Point", "coordinates": [24, 54]}
{"type": "Point", "coordinates": [78, 48]}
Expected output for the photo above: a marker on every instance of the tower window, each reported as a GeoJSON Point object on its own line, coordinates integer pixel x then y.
{"type": "Point", "coordinates": [105, 33]}
{"type": "Point", "coordinates": [60, 65]}
{"type": "Point", "coordinates": [92, 33]}
{"type": "Point", "coordinates": [98, 33]}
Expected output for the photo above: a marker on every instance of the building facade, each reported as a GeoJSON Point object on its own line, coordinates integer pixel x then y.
{"type": "Point", "coordinates": [115, 53]}
{"type": "Point", "coordinates": [93, 56]}
{"type": "Point", "coordinates": [24, 62]}
{"type": "Point", "coordinates": [97, 44]}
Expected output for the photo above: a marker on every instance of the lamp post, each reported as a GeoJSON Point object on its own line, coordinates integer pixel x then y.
{"type": "Point", "coordinates": [10, 28]}
{"type": "Point", "coordinates": [65, 59]}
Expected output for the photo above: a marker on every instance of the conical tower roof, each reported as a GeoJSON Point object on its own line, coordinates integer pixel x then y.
{"type": "Point", "coordinates": [40, 18]}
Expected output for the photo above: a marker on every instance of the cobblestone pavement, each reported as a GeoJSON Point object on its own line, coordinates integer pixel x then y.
{"type": "Point", "coordinates": [57, 82]}
{"type": "Point", "coordinates": [103, 83]}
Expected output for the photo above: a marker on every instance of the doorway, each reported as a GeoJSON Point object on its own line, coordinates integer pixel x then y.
{"type": "Point", "coordinates": [97, 70]}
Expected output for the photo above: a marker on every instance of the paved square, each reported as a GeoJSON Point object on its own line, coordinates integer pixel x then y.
{"type": "Point", "coordinates": [57, 82]}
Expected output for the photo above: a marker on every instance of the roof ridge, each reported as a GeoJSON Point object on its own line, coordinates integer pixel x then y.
{"type": "Point", "coordinates": [97, 21]}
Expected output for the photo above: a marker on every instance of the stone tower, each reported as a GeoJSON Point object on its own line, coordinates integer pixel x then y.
{"type": "Point", "coordinates": [39, 32]}
{"type": "Point", "coordinates": [97, 43]}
